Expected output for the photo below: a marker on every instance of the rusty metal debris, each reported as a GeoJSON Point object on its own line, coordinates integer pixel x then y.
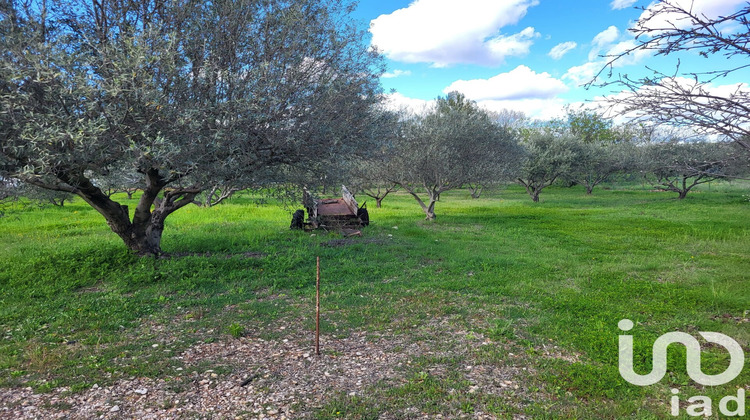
{"type": "Point", "coordinates": [342, 213]}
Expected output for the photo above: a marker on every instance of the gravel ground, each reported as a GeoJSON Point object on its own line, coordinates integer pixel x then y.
{"type": "Point", "coordinates": [272, 379]}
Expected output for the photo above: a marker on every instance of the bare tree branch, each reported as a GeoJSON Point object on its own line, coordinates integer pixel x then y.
{"type": "Point", "coordinates": [686, 99]}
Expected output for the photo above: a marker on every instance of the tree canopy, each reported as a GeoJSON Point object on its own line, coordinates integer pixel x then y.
{"type": "Point", "coordinates": [180, 95]}
{"type": "Point", "coordinates": [679, 166]}
{"type": "Point", "coordinates": [548, 157]}
{"type": "Point", "coordinates": [453, 144]}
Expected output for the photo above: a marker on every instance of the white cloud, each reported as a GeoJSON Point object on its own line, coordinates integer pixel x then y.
{"type": "Point", "coordinates": [513, 45]}
{"type": "Point", "coordinates": [445, 32]}
{"type": "Point", "coordinates": [398, 102]}
{"type": "Point", "coordinates": [632, 58]}
{"type": "Point", "coordinates": [535, 108]}
{"type": "Point", "coordinates": [606, 36]}
{"type": "Point", "coordinates": [602, 39]}
{"type": "Point", "coordinates": [686, 83]}
{"type": "Point", "coordinates": [519, 83]}
{"type": "Point", "coordinates": [711, 9]}
{"type": "Point", "coordinates": [396, 73]}
{"type": "Point", "coordinates": [621, 4]}
{"type": "Point", "coordinates": [558, 51]}
{"type": "Point", "coordinates": [521, 89]}
{"type": "Point", "coordinates": [584, 73]}
{"type": "Point", "coordinates": [605, 44]}
{"type": "Point", "coordinates": [580, 75]}
{"type": "Point", "coordinates": [604, 47]}
{"type": "Point", "coordinates": [540, 109]}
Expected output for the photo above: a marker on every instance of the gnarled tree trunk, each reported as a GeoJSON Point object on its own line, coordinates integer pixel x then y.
{"type": "Point", "coordinates": [433, 194]}
{"type": "Point", "coordinates": [534, 188]}
{"type": "Point", "coordinates": [476, 190]}
{"type": "Point", "coordinates": [143, 234]}
{"type": "Point", "coordinates": [379, 194]}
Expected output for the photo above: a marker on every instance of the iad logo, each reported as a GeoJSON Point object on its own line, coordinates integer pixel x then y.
{"type": "Point", "coordinates": [659, 366]}
{"type": "Point", "coordinates": [702, 406]}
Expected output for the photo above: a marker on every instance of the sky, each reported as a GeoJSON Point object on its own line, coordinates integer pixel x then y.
{"type": "Point", "coordinates": [525, 55]}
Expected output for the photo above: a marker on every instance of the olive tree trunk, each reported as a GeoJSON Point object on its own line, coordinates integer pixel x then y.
{"type": "Point", "coordinates": [143, 233]}
{"type": "Point", "coordinates": [476, 190]}
{"type": "Point", "coordinates": [379, 193]}
{"type": "Point", "coordinates": [433, 195]}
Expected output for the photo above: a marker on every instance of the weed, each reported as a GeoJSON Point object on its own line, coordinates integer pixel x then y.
{"type": "Point", "coordinates": [236, 330]}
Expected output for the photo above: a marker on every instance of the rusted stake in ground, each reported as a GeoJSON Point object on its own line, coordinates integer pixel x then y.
{"type": "Point", "coordinates": [317, 309]}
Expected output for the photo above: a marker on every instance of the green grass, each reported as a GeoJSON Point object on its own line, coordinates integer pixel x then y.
{"type": "Point", "coordinates": [528, 276]}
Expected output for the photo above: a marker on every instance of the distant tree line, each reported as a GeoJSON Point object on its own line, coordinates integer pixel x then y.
{"type": "Point", "coordinates": [456, 144]}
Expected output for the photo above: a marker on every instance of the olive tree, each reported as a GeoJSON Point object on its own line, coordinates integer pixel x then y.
{"type": "Point", "coordinates": [680, 166]}
{"type": "Point", "coordinates": [454, 143]}
{"type": "Point", "coordinates": [596, 144]}
{"type": "Point", "coordinates": [601, 147]}
{"type": "Point", "coordinates": [590, 126]}
{"type": "Point", "coordinates": [549, 157]}
{"type": "Point", "coordinates": [371, 175]}
{"type": "Point", "coordinates": [183, 95]}
{"type": "Point", "coordinates": [597, 162]}
{"type": "Point", "coordinates": [512, 123]}
{"type": "Point", "coordinates": [379, 191]}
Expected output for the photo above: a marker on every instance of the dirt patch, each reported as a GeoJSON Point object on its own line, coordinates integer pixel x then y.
{"type": "Point", "coordinates": [729, 318]}
{"type": "Point", "coordinates": [556, 352]}
{"type": "Point", "coordinates": [282, 378]}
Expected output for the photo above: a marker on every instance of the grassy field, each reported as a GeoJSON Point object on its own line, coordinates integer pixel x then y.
{"type": "Point", "coordinates": [543, 285]}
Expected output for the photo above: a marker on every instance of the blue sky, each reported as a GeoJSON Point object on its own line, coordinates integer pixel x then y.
{"type": "Point", "coordinates": [526, 55]}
